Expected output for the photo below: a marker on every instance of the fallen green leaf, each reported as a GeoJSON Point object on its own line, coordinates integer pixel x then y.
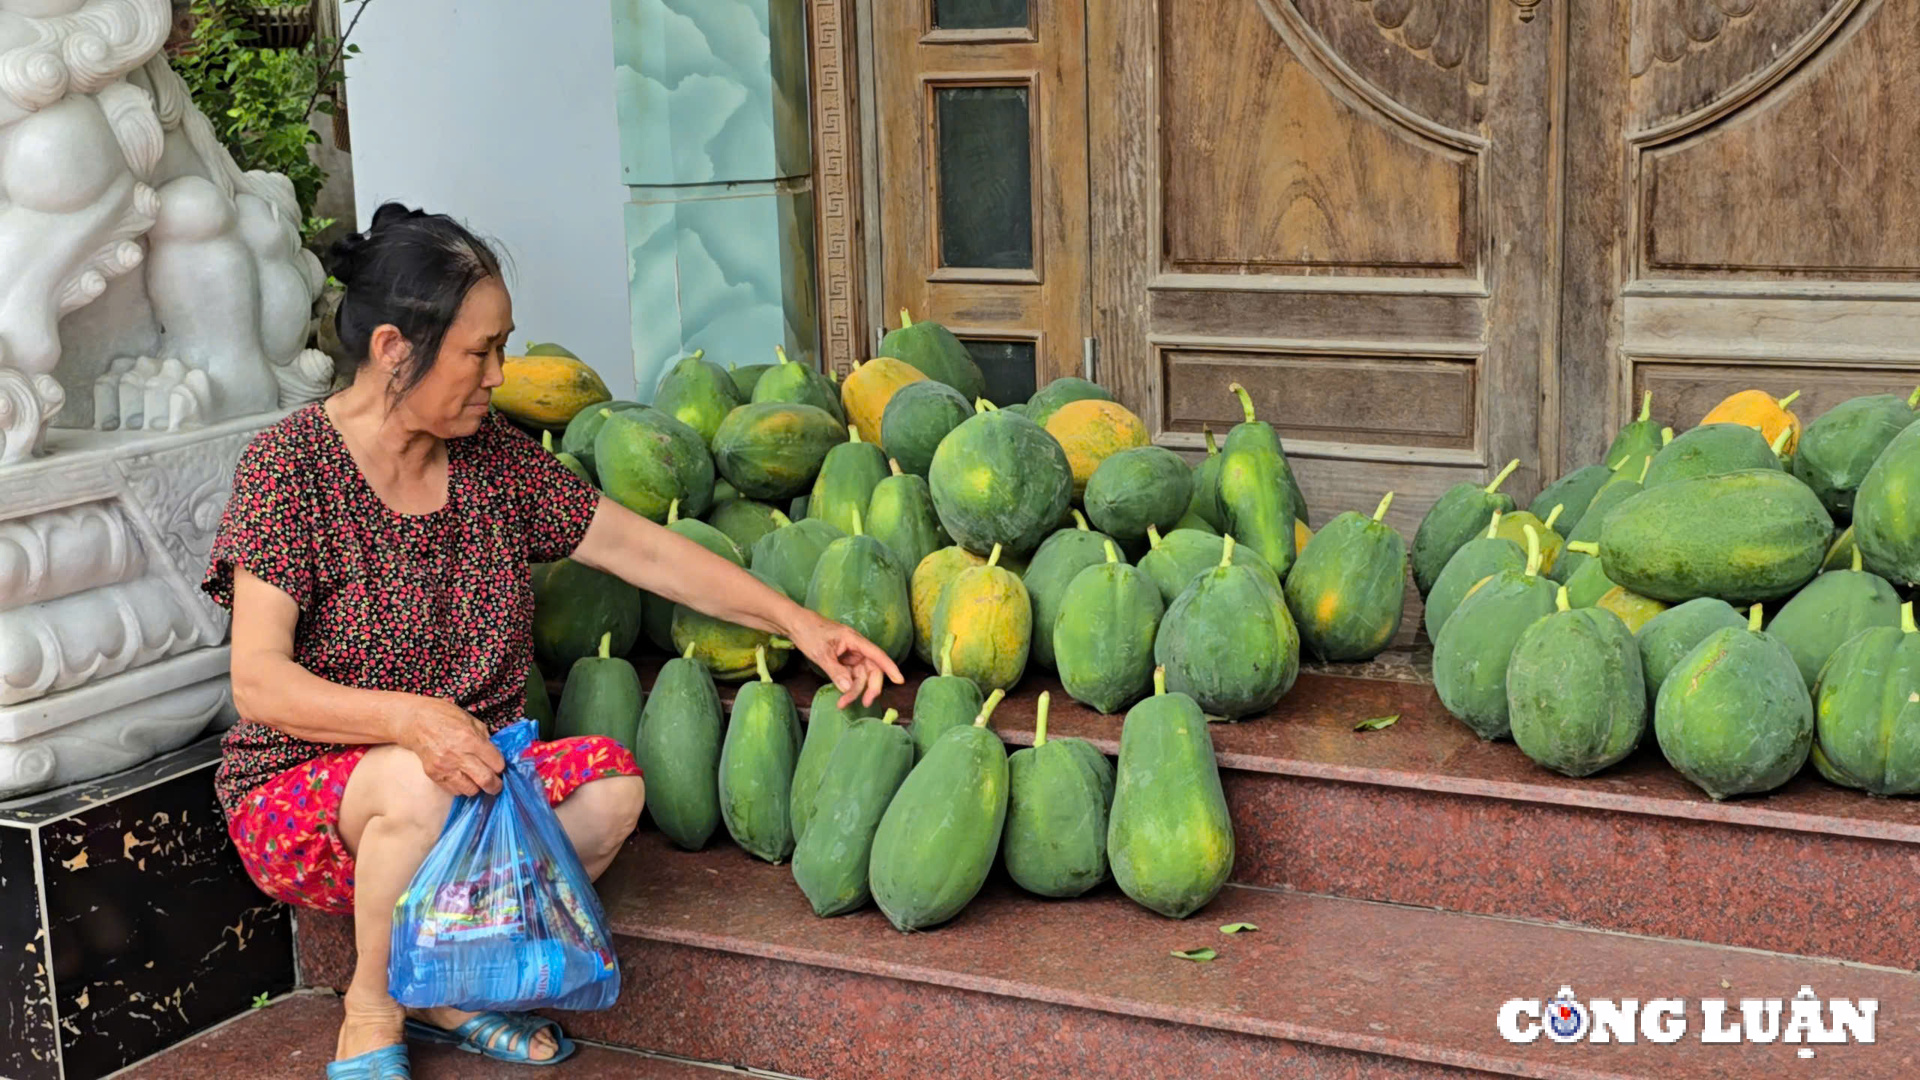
{"type": "Point", "coordinates": [1377, 723]}
{"type": "Point", "coordinates": [1237, 927]}
{"type": "Point", "coordinates": [261, 1001]}
{"type": "Point", "coordinates": [1199, 955]}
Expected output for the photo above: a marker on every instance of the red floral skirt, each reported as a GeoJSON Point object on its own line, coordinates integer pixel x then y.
{"type": "Point", "coordinates": [287, 830]}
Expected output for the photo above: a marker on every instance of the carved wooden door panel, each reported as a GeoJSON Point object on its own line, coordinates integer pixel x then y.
{"type": "Point", "coordinates": [1745, 205]}
{"type": "Point", "coordinates": [1348, 207]}
{"type": "Point", "coordinates": [983, 183]}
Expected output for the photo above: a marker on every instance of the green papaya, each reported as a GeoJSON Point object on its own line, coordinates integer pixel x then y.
{"type": "Point", "coordinates": [939, 835]}
{"type": "Point", "coordinates": [726, 648]}
{"type": "Point", "coordinates": [1573, 493]}
{"type": "Point", "coordinates": [1576, 694]}
{"type": "Point", "coordinates": [1867, 711]}
{"type": "Point", "coordinates": [1836, 451]}
{"type": "Point", "coordinates": [1348, 587]}
{"type": "Point", "coordinates": [658, 619]}
{"type": "Point", "coordinates": [1000, 479]}
{"type": "Point", "coordinates": [756, 769]}
{"type": "Point", "coordinates": [1059, 560]}
{"type": "Point", "coordinates": [1733, 716]}
{"type": "Point", "coordinates": [535, 705]}
{"type": "Point", "coordinates": [1104, 637]}
{"type": "Point", "coordinates": [1632, 608]}
{"type": "Point", "coordinates": [699, 393]}
{"type": "Point", "coordinates": [1830, 611]}
{"type": "Point", "coordinates": [1228, 642]}
{"type": "Point", "coordinates": [1476, 561]}
{"type": "Point", "coordinates": [901, 516]}
{"type": "Point", "coordinates": [1459, 515]}
{"type": "Point", "coordinates": [584, 428]}
{"type": "Point", "coordinates": [1205, 503]}
{"type": "Point", "coordinates": [646, 460]}
{"type": "Point", "coordinates": [941, 357]}
{"type": "Point", "coordinates": [1612, 494]}
{"type": "Point", "coordinates": [1147, 486]}
{"type": "Point", "coordinates": [798, 384]}
{"type": "Point", "coordinates": [868, 763]}
{"type": "Point", "coordinates": [1476, 642]}
{"type": "Point", "coordinates": [746, 379]}
{"type": "Point", "coordinates": [1588, 584]}
{"type": "Point", "coordinates": [602, 697]}
{"type": "Point", "coordinates": [1174, 560]}
{"type": "Point", "coordinates": [573, 606]}
{"type": "Point", "coordinates": [1637, 442]}
{"type": "Point", "coordinates": [1169, 838]}
{"type": "Point", "coordinates": [947, 701]}
{"type": "Point", "coordinates": [787, 556]}
{"type": "Point", "coordinates": [1055, 840]}
{"type": "Point", "coordinates": [1257, 489]}
{"type": "Point", "coordinates": [1195, 523]}
{"type": "Point", "coordinates": [773, 450]}
{"type": "Point", "coordinates": [984, 625]}
{"type": "Point", "coordinates": [847, 478]}
{"type": "Point", "coordinates": [744, 521]}
{"type": "Point", "coordinates": [858, 582]}
{"type": "Point", "coordinates": [678, 749]}
{"type": "Point", "coordinates": [1886, 511]}
{"type": "Point", "coordinates": [1710, 450]}
{"type": "Point", "coordinates": [1062, 391]}
{"type": "Point", "coordinates": [827, 722]}
{"type": "Point", "coordinates": [1668, 637]}
{"type": "Point", "coordinates": [567, 461]}
{"type": "Point", "coordinates": [1753, 535]}
{"type": "Point", "coordinates": [917, 417]}
{"type": "Point", "coordinates": [1514, 527]}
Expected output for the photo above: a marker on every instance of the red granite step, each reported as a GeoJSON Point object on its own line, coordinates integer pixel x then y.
{"type": "Point", "coordinates": [292, 1039]}
{"type": "Point", "coordinates": [724, 962]}
{"type": "Point", "coordinates": [1424, 812]}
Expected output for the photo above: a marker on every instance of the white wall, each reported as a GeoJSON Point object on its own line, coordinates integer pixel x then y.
{"type": "Point", "coordinates": [504, 118]}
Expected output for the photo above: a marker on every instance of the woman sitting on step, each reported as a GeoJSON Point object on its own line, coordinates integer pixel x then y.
{"type": "Point", "coordinates": [375, 555]}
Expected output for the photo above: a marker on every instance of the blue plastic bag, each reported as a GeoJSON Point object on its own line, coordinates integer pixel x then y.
{"type": "Point", "coordinates": [501, 914]}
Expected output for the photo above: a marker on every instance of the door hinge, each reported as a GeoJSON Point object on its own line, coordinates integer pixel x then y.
{"type": "Point", "coordinates": [1089, 348]}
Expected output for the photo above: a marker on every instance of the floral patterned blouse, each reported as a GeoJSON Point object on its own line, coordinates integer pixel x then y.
{"type": "Point", "coordinates": [437, 604]}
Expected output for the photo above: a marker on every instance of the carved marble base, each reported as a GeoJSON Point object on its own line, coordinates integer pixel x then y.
{"type": "Point", "coordinates": [109, 653]}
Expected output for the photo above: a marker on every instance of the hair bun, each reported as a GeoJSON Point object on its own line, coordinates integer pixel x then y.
{"type": "Point", "coordinates": [345, 255]}
{"type": "Point", "coordinates": [390, 213]}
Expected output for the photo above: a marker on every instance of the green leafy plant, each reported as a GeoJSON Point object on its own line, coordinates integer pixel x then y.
{"type": "Point", "coordinates": [260, 100]}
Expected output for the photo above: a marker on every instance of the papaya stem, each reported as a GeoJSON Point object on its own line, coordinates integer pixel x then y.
{"type": "Point", "coordinates": [1913, 400]}
{"type": "Point", "coordinates": [1621, 464]}
{"type": "Point", "coordinates": [1380, 512]}
{"type": "Point", "coordinates": [1753, 618]}
{"type": "Point", "coordinates": [697, 354]}
{"type": "Point", "coordinates": [779, 643]}
{"type": "Point", "coordinates": [1780, 440]}
{"type": "Point", "coordinates": [906, 320]}
{"type": "Point", "coordinates": [893, 466]}
{"type": "Point", "coordinates": [606, 414]}
{"type": "Point", "coordinates": [1493, 525]}
{"type": "Point", "coordinates": [1789, 399]}
{"type": "Point", "coordinates": [1214, 447]}
{"type": "Point", "coordinates": [673, 511]}
{"type": "Point", "coordinates": [1646, 406]}
{"type": "Point", "coordinates": [1906, 619]}
{"type": "Point", "coordinates": [1226, 552]}
{"type": "Point", "coordinates": [981, 405]}
{"type": "Point", "coordinates": [1114, 557]}
{"type": "Point", "coordinates": [890, 716]}
{"type": "Point", "coordinates": [994, 558]}
{"type": "Point", "coordinates": [780, 351]}
{"type": "Point", "coordinates": [688, 654]}
{"type": "Point", "coordinates": [1554, 515]}
{"type": "Point", "coordinates": [1080, 520]}
{"type": "Point", "coordinates": [1856, 558]}
{"type": "Point", "coordinates": [546, 440]}
{"type": "Point", "coordinates": [1040, 719]}
{"type": "Point", "coordinates": [606, 645]}
{"type": "Point", "coordinates": [1666, 436]}
{"type": "Point", "coordinates": [1246, 401]}
{"type": "Point", "coordinates": [1160, 678]}
{"type": "Point", "coordinates": [857, 529]}
{"type": "Point", "coordinates": [781, 520]}
{"type": "Point", "coordinates": [987, 707]}
{"type": "Point", "coordinates": [946, 658]}
{"type": "Point", "coordinates": [1502, 478]}
{"type": "Point", "coordinates": [1644, 466]}
{"type": "Point", "coordinates": [1584, 547]}
{"type": "Point", "coordinates": [760, 663]}
{"type": "Point", "coordinates": [1533, 551]}
{"type": "Point", "coordinates": [1153, 535]}
{"type": "Point", "coordinates": [1560, 600]}
{"type": "Point", "coordinates": [853, 433]}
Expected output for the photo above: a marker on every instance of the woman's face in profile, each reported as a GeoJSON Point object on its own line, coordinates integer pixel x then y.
{"type": "Point", "coordinates": [453, 399]}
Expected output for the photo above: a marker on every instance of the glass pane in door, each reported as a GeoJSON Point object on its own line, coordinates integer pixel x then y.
{"type": "Point", "coordinates": [1008, 367]}
{"type": "Point", "coordinates": [979, 14]}
{"type": "Point", "coordinates": [986, 177]}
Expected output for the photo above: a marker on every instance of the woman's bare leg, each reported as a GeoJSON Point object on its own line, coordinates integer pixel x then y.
{"type": "Point", "coordinates": [599, 816]}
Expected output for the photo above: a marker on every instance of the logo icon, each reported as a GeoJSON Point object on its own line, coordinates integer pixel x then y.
{"type": "Point", "coordinates": [1566, 1019]}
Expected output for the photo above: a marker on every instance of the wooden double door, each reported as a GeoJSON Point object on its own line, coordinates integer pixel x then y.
{"type": "Point", "coordinates": [1429, 236]}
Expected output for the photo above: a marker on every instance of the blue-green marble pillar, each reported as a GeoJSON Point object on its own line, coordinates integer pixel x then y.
{"type": "Point", "coordinates": [716, 157]}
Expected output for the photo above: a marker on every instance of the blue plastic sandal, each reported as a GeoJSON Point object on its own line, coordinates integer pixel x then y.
{"type": "Point", "coordinates": [386, 1063]}
{"type": "Point", "coordinates": [500, 1036]}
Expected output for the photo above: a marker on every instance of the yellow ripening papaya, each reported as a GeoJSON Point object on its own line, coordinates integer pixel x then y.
{"type": "Point", "coordinates": [1759, 409]}
{"type": "Point", "coordinates": [546, 391]}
